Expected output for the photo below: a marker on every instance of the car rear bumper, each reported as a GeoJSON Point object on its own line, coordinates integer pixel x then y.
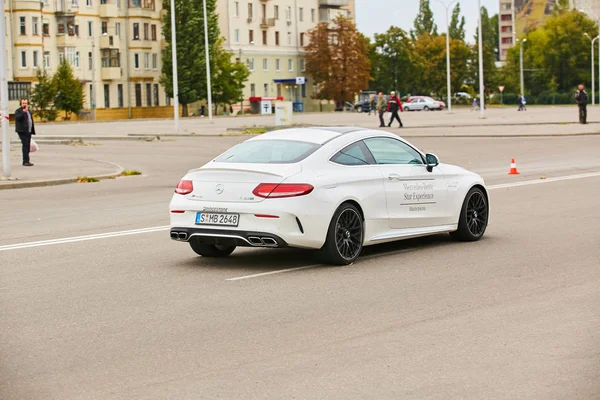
{"type": "Point", "coordinates": [227, 237]}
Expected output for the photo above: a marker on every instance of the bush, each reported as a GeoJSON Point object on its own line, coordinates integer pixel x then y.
{"type": "Point", "coordinates": [510, 98]}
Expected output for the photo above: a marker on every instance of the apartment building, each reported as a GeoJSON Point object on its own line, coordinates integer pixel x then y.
{"type": "Point", "coordinates": [507, 28]}
{"type": "Point", "coordinates": [112, 45]}
{"type": "Point", "coordinates": [270, 36]}
{"type": "Point", "coordinates": [591, 7]}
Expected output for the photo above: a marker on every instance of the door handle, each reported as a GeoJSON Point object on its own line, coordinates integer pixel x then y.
{"type": "Point", "coordinates": [394, 177]}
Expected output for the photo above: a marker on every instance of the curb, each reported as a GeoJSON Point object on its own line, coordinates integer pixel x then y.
{"type": "Point", "coordinates": [62, 181]}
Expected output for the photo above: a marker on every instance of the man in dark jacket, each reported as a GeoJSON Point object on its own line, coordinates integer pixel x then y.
{"type": "Point", "coordinates": [394, 105]}
{"type": "Point", "coordinates": [25, 128]}
{"type": "Point", "coordinates": [581, 98]}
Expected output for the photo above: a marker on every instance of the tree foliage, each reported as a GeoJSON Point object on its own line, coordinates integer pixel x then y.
{"type": "Point", "coordinates": [424, 21]}
{"type": "Point", "coordinates": [69, 90]}
{"type": "Point", "coordinates": [391, 58]}
{"type": "Point", "coordinates": [43, 96]}
{"type": "Point", "coordinates": [456, 28]}
{"type": "Point", "coordinates": [229, 78]}
{"type": "Point", "coordinates": [337, 59]}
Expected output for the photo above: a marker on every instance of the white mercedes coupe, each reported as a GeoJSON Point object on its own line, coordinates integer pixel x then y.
{"type": "Point", "coordinates": [333, 189]}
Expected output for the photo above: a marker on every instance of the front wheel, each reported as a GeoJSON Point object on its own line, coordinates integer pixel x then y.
{"type": "Point", "coordinates": [345, 236]}
{"type": "Point", "coordinates": [426, 108]}
{"type": "Point", "coordinates": [473, 217]}
{"type": "Point", "coordinates": [210, 250]}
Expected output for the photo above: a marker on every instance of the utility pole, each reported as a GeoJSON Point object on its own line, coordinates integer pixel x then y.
{"type": "Point", "coordinates": [4, 97]}
{"type": "Point", "coordinates": [481, 91]}
{"type": "Point", "coordinates": [174, 53]}
{"type": "Point", "coordinates": [208, 85]}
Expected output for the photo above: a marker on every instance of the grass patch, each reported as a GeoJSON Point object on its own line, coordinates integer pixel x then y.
{"type": "Point", "coordinates": [130, 173]}
{"type": "Point", "coordinates": [87, 179]}
{"type": "Point", "coordinates": [254, 131]}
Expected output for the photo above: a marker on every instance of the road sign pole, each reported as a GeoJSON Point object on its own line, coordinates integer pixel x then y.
{"type": "Point", "coordinates": [4, 97]}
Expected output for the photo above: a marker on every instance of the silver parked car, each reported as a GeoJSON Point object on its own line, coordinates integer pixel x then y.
{"type": "Point", "coordinates": [423, 103]}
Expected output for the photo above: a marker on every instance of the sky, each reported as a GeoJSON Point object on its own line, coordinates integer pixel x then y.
{"type": "Point", "coordinates": [376, 16]}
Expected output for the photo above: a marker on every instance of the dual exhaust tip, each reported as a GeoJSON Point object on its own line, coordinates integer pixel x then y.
{"type": "Point", "coordinates": [179, 236]}
{"type": "Point", "coordinates": [262, 242]}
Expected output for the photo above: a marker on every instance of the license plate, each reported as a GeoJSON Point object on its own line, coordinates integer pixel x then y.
{"type": "Point", "coordinates": [203, 218]}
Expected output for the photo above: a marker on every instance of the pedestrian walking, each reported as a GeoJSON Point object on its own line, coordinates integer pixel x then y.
{"type": "Point", "coordinates": [581, 98]}
{"type": "Point", "coordinates": [372, 105]}
{"type": "Point", "coordinates": [381, 108]}
{"type": "Point", "coordinates": [522, 102]}
{"type": "Point", "coordinates": [394, 104]}
{"type": "Point", "coordinates": [25, 127]}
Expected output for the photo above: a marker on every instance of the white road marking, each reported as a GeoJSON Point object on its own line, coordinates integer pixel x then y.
{"type": "Point", "coordinates": [83, 238]}
{"type": "Point", "coordinates": [165, 228]}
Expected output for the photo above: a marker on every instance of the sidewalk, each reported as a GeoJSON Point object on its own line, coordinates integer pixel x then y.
{"type": "Point", "coordinates": [50, 169]}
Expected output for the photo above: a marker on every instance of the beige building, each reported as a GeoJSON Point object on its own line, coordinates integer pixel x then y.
{"type": "Point", "coordinates": [113, 46]}
{"type": "Point", "coordinates": [269, 35]}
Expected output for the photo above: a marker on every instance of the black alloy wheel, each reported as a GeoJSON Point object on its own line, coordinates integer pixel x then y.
{"type": "Point", "coordinates": [474, 216]}
{"type": "Point", "coordinates": [345, 236]}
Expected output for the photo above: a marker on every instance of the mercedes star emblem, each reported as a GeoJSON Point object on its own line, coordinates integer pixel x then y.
{"type": "Point", "coordinates": [219, 189]}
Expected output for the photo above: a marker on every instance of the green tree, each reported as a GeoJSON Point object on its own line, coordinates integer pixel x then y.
{"type": "Point", "coordinates": [429, 61]}
{"type": "Point", "coordinates": [43, 96]}
{"type": "Point", "coordinates": [229, 77]}
{"type": "Point", "coordinates": [69, 90]}
{"type": "Point", "coordinates": [337, 60]}
{"type": "Point", "coordinates": [391, 61]}
{"type": "Point", "coordinates": [457, 24]}
{"type": "Point", "coordinates": [424, 21]}
{"type": "Point", "coordinates": [496, 35]}
{"type": "Point", "coordinates": [191, 61]}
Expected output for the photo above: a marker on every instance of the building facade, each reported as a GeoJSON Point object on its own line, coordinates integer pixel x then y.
{"type": "Point", "coordinates": [270, 36]}
{"type": "Point", "coordinates": [114, 47]}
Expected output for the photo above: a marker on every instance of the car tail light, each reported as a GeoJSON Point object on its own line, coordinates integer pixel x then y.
{"type": "Point", "coordinates": [185, 187]}
{"type": "Point", "coordinates": [274, 190]}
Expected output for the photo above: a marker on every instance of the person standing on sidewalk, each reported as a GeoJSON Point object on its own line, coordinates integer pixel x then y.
{"type": "Point", "coordinates": [25, 128]}
{"type": "Point", "coordinates": [394, 105]}
{"type": "Point", "coordinates": [581, 98]}
{"type": "Point", "coordinates": [381, 109]}
{"type": "Point", "coordinates": [522, 103]}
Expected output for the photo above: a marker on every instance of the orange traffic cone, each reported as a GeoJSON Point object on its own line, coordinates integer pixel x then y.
{"type": "Point", "coordinates": [513, 168]}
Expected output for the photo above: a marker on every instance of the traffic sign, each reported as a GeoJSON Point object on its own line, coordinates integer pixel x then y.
{"type": "Point", "coordinates": [300, 80]}
{"type": "Point", "coordinates": [501, 88]}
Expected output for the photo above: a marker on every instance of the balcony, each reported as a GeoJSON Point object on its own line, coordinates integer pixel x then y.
{"type": "Point", "coordinates": [108, 10]}
{"type": "Point", "coordinates": [110, 42]}
{"type": "Point", "coordinates": [267, 22]}
{"type": "Point", "coordinates": [333, 3]}
{"type": "Point", "coordinates": [25, 5]}
{"type": "Point", "coordinates": [111, 73]}
{"type": "Point", "coordinates": [65, 40]}
{"type": "Point", "coordinates": [142, 8]}
{"type": "Point", "coordinates": [66, 8]}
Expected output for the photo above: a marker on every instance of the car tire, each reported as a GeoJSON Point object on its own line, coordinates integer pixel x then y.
{"type": "Point", "coordinates": [474, 216]}
{"type": "Point", "coordinates": [210, 250]}
{"type": "Point", "coordinates": [345, 236]}
{"type": "Point", "coordinates": [359, 109]}
{"type": "Point", "coordinates": [406, 108]}
{"type": "Point", "coordinates": [425, 108]}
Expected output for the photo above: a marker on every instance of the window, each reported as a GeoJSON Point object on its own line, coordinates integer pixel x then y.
{"type": "Point", "coordinates": [392, 151]}
{"type": "Point", "coordinates": [277, 64]}
{"type": "Point", "coordinates": [90, 29]}
{"type": "Point", "coordinates": [507, 29]}
{"type": "Point", "coordinates": [290, 65]}
{"type": "Point", "coordinates": [355, 154]}
{"type": "Point", "coordinates": [35, 59]}
{"type": "Point", "coordinates": [236, 35]}
{"type": "Point", "coordinates": [23, 30]}
{"type": "Point", "coordinates": [506, 17]}
{"type": "Point", "coordinates": [149, 94]}
{"type": "Point", "coordinates": [266, 89]}
{"type": "Point", "coordinates": [46, 59]}
{"type": "Point", "coordinates": [147, 60]}
{"type": "Point", "coordinates": [154, 36]}
{"type": "Point", "coordinates": [136, 60]}
{"type": "Point", "coordinates": [313, 13]}
{"type": "Point", "coordinates": [90, 61]}
{"type": "Point", "coordinates": [236, 8]}
{"type": "Point", "coordinates": [155, 61]}
{"type": "Point", "coordinates": [264, 33]}
{"type": "Point", "coordinates": [104, 27]}
{"type": "Point", "coordinates": [276, 38]}
{"type": "Point", "coordinates": [288, 13]}
{"type": "Point", "coordinates": [118, 29]}
{"type": "Point", "coordinates": [251, 36]}
{"type": "Point", "coordinates": [18, 90]}
{"type": "Point", "coordinates": [264, 11]}
{"type": "Point", "coordinates": [506, 7]}
{"type": "Point", "coordinates": [250, 11]}
{"type": "Point", "coordinates": [279, 90]}
{"type": "Point", "coordinates": [120, 95]}
{"type": "Point", "coordinates": [46, 29]}
{"type": "Point", "coordinates": [111, 58]}
{"type": "Point", "coordinates": [302, 39]}
{"type": "Point", "coordinates": [289, 35]}
{"type": "Point", "coordinates": [136, 31]}
{"type": "Point", "coordinates": [302, 65]}
{"type": "Point", "coordinates": [34, 25]}
{"type": "Point", "coordinates": [301, 14]}
{"type": "Point", "coordinates": [106, 96]}
{"type": "Point", "coordinates": [268, 152]}
{"type": "Point", "coordinates": [252, 90]}
{"type": "Point", "coordinates": [88, 3]}
{"type": "Point", "coordinates": [119, 4]}
{"type": "Point", "coordinates": [265, 64]}
{"type": "Point", "coordinates": [507, 40]}
{"type": "Point", "coordinates": [146, 31]}
{"type": "Point", "coordinates": [138, 94]}
{"type": "Point", "coordinates": [276, 12]}
{"type": "Point", "coordinates": [23, 59]}
{"type": "Point", "coordinates": [156, 95]}
{"type": "Point", "coordinates": [251, 64]}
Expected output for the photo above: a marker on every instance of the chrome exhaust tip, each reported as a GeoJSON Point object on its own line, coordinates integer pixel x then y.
{"type": "Point", "coordinates": [182, 236]}
{"type": "Point", "coordinates": [174, 235]}
{"type": "Point", "coordinates": [269, 242]}
{"type": "Point", "coordinates": [255, 241]}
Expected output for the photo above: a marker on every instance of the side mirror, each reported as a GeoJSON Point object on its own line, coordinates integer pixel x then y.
{"type": "Point", "coordinates": [432, 161]}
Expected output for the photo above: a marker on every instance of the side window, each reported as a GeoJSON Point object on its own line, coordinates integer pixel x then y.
{"type": "Point", "coordinates": [351, 155]}
{"type": "Point", "coordinates": [392, 151]}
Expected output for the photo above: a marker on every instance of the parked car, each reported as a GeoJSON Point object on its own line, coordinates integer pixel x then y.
{"type": "Point", "coordinates": [423, 103]}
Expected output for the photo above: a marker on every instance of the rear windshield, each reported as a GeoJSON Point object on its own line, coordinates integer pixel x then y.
{"type": "Point", "coordinates": [269, 152]}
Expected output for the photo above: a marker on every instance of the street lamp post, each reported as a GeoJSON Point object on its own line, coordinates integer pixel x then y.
{"type": "Point", "coordinates": [598, 19]}
{"type": "Point", "coordinates": [521, 65]}
{"type": "Point", "coordinates": [481, 92]}
{"type": "Point", "coordinates": [448, 51]}
{"type": "Point", "coordinates": [593, 77]}
{"type": "Point", "coordinates": [174, 54]}
{"type": "Point", "coordinates": [208, 85]}
{"type": "Point", "coordinates": [93, 94]}
{"type": "Point", "coordinates": [4, 98]}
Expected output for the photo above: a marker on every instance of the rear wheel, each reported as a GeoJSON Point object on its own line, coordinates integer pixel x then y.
{"type": "Point", "coordinates": [359, 109]}
{"type": "Point", "coordinates": [426, 108]}
{"type": "Point", "coordinates": [345, 236]}
{"type": "Point", "coordinates": [210, 250]}
{"type": "Point", "coordinates": [473, 217]}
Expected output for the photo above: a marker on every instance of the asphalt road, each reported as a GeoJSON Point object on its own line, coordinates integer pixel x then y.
{"type": "Point", "coordinates": [133, 315]}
